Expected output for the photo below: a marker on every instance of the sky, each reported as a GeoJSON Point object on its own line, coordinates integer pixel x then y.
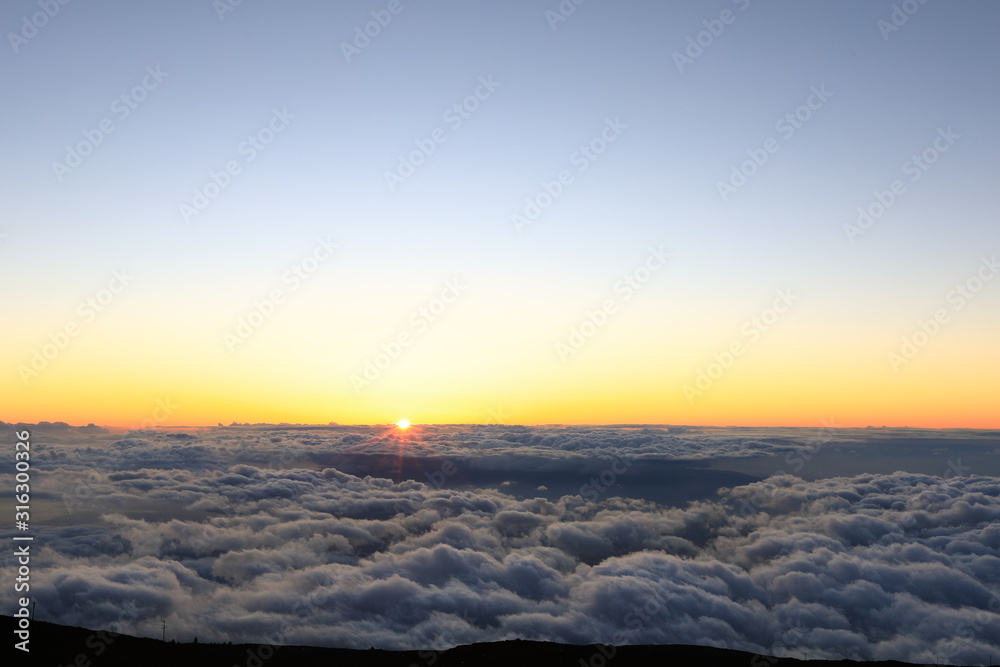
{"type": "Point", "coordinates": [500, 212]}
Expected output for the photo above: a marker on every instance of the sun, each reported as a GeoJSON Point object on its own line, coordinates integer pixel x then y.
{"type": "Point", "coordinates": [403, 424]}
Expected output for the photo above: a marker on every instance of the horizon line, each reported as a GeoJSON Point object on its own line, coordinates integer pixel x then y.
{"type": "Point", "coordinates": [496, 425]}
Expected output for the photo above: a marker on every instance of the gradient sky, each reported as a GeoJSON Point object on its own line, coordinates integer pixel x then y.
{"type": "Point", "coordinates": [493, 354]}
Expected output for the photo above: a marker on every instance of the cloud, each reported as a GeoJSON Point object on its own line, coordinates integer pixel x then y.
{"type": "Point", "coordinates": [901, 566]}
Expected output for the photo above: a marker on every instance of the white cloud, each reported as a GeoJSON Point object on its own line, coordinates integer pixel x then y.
{"type": "Point", "coordinates": [902, 566]}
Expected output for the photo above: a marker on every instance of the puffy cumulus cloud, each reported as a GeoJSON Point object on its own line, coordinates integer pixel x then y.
{"type": "Point", "coordinates": [902, 566]}
{"type": "Point", "coordinates": [117, 593]}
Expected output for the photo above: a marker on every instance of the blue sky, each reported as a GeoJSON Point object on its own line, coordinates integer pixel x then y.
{"type": "Point", "coordinates": [657, 184]}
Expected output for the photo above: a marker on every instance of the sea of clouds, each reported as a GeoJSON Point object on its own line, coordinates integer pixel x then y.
{"type": "Point", "coordinates": [241, 534]}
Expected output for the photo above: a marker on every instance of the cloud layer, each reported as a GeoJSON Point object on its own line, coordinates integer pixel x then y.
{"type": "Point", "coordinates": [901, 566]}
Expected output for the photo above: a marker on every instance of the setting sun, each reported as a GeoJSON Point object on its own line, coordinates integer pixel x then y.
{"type": "Point", "coordinates": [403, 423]}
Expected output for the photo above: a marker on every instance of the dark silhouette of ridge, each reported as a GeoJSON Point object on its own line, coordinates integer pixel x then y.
{"type": "Point", "coordinates": [55, 645]}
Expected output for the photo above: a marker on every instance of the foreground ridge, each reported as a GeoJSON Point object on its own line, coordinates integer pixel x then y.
{"type": "Point", "coordinates": [58, 645]}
